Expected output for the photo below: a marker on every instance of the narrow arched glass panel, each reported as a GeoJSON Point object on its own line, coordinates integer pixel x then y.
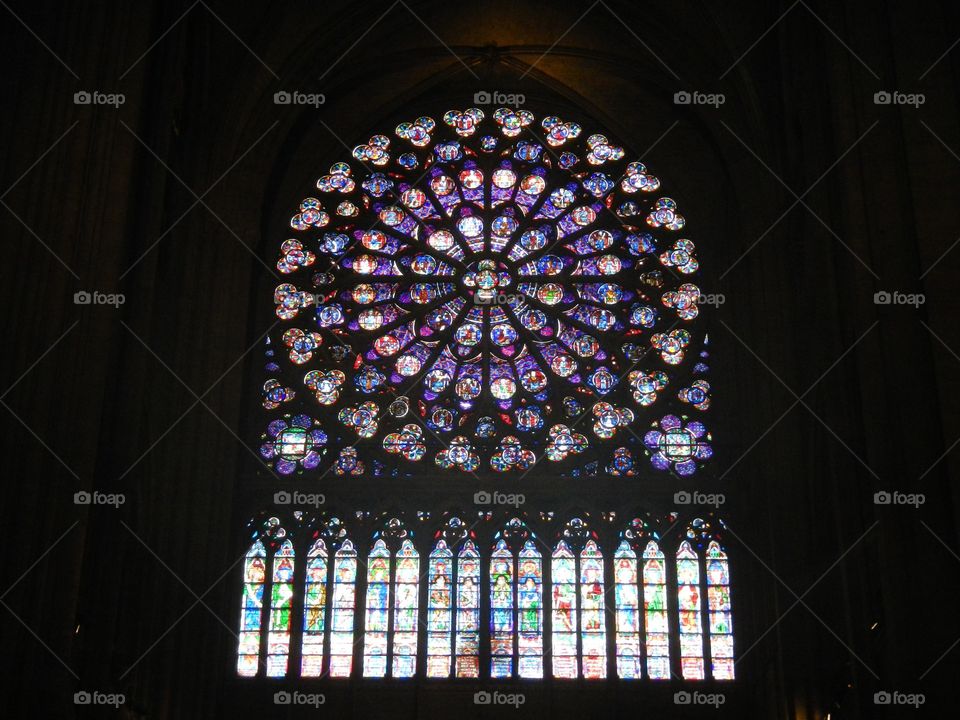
{"type": "Point", "coordinates": [251, 610]}
{"type": "Point", "coordinates": [342, 610]}
{"type": "Point", "coordinates": [688, 600]}
{"type": "Point", "coordinates": [721, 615]}
{"type": "Point", "coordinates": [468, 612]}
{"type": "Point", "coordinates": [314, 610]}
{"type": "Point", "coordinates": [439, 611]}
{"type": "Point", "coordinates": [501, 611]}
{"type": "Point", "coordinates": [530, 607]}
{"type": "Point", "coordinates": [376, 620]}
{"type": "Point", "coordinates": [655, 613]}
{"type": "Point", "coordinates": [593, 634]}
{"type": "Point", "coordinates": [627, 606]}
{"type": "Point", "coordinates": [563, 572]}
{"type": "Point", "coordinates": [281, 599]}
{"type": "Point", "coordinates": [406, 609]}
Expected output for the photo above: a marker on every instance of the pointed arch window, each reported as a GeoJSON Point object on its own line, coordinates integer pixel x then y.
{"type": "Point", "coordinates": [656, 620]}
{"type": "Point", "coordinates": [251, 610]}
{"type": "Point", "coordinates": [627, 604]}
{"type": "Point", "coordinates": [281, 601]}
{"type": "Point", "coordinates": [376, 621]}
{"type": "Point", "coordinates": [721, 615]}
{"type": "Point", "coordinates": [593, 636]}
{"type": "Point", "coordinates": [563, 572]}
{"type": "Point", "coordinates": [439, 611]}
{"type": "Point", "coordinates": [688, 603]}
{"type": "Point", "coordinates": [342, 610]}
{"type": "Point", "coordinates": [468, 612]}
{"type": "Point", "coordinates": [314, 610]}
{"type": "Point", "coordinates": [406, 611]}
{"type": "Point", "coordinates": [501, 611]}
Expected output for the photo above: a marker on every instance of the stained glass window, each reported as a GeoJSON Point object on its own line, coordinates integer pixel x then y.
{"type": "Point", "coordinates": [563, 571]}
{"type": "Point", "coordinates": [439, 611]}
{"type": "Point", "coordinates": [406, 610]}
{"type": "Point", "coordinates": [501, 611]}
{"type": "Point", "coordinates": [468, 612]}
{"type": "Point", "coordinates": [656, 620]}
{"type": "Point", "coordinates": [688, 601]}
{"type": "Point", "coordinates": [377, 617]}
{"type": "Point", "coordinates": [627, 612]}
{"type": "Point", "coordinates": [530, 611]}
{"type": "Point", "coordinates": [593, 636]}
{"type": "Point", "coordinates": [445, 297]}
{"type": "Point", "coordinates": [342, 610]}
{"type": "Point", "coordinates": [721, 616]}
{"type": "Point", "coordinates": [314, 610]}
{"type": "Point", "coordinates": [251, 610]}
{"type": "Point", "coordinates": [281, 599]}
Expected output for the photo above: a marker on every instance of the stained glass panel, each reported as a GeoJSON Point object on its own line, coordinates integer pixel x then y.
{"type": "Point", "coordinates": [501, 611]}
{"type": "Point", "coordinates": [627, 606]}
{"type": "Point", "coordinates": [655, 616]}
{"type": "Point", "coordinates": [406, 608]}
{"type": "Point", "coordinates": [251, 610]}
{"type": "Point", "coordinates": [721, 616]}
{"type": "Point", "coordinates": [530, 610]}
{"type": "Point", "coordinates": [439, 611]}
{"type": "Point", "coordinates": [593, 636]}
{"type": "Point", "coordinates": [688, 601]}
{"type": "Point", "coordinates": [468, 611]}
{"type": "Point", "coordinates": [281, 599]}
{"type": "Point", "coordinates": [377, 616]}
{"type": "Point", "coordinates": [563, 572]}
{"type": "Point", "coordinates": [314, 610]}
{"type": "Point", "coordinates": [342, 611]}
